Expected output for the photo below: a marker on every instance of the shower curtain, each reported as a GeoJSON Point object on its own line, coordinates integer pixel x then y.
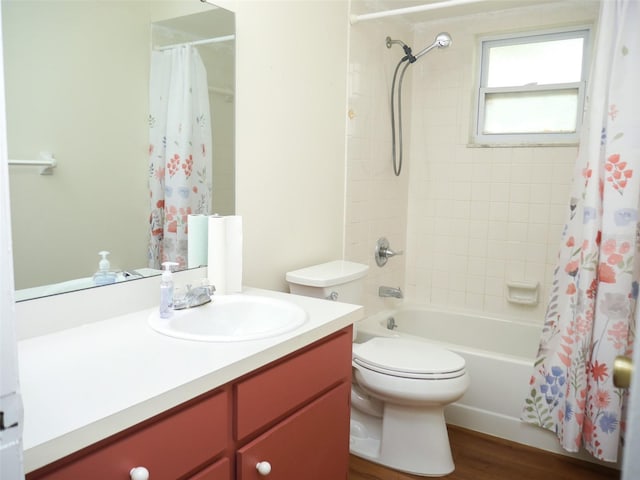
{"type": "Point", "coordinates": [590, 317]}
{"type": "Point", "coordinates": [179, 150]}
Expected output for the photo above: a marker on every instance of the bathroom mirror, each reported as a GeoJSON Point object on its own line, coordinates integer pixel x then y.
{"type": "Point", "coordinates": [77, 76]}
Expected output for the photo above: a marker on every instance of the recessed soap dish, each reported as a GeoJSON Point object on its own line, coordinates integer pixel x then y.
{"type": "Point", "coordinates": [523, 293]}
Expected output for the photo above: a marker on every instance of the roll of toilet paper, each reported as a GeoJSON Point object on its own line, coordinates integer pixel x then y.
{"type": "Point", "coordinates": [197, 240]}
{"type": "Point", "coordinates": [233, 225]}
{"type": "Point", "coordinates": [217, 254]}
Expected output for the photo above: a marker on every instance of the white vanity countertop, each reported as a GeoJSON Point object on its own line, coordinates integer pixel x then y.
{"type": "Point", "coordinates": [83, 384]}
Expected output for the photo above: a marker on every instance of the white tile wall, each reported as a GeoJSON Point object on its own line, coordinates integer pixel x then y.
{"type": "Point", "coordinates": [376, 200]}
{"type": "Point", "coordinates": [471, 219]}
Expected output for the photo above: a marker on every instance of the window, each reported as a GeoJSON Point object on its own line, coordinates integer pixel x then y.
{"type": "Point", "coordinates": [532, 88]}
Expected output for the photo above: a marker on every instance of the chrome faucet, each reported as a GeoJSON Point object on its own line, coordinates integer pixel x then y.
{"type": "Point", "coordinates": [390, 292]}
{"type": "Point", "coordinates": [131, 274]}
{"type": "Point", "coordinates": [194, 297]}
{"type": "Point", "coordinates": [383, 252]}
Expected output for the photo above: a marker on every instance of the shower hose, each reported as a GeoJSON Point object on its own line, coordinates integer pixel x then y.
{"type": "Point", "coordinates": [397, 149]}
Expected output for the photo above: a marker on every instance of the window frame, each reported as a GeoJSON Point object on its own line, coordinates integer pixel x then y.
{"type": "Point", "coordinates": [527, 139]}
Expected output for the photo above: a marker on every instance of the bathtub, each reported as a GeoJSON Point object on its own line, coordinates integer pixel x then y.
{"type": "Point", "coordinates": [499, 357]}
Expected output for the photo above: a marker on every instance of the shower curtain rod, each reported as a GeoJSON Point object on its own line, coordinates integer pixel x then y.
{"type": "Point", "coordinates": [415, 9]}
{"type": "Point", "coordinates": [225, 38]}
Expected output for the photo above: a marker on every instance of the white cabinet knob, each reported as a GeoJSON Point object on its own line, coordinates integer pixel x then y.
{"type": "Point", "coordinates": [264, 468]}
{"type": "Point", "coordinates": [139, 473]}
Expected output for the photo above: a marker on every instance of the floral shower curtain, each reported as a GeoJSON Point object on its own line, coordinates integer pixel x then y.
{"type": "Point", "coordinates": [590, 318]}
{"type": "Point", "coordinates": [179, 150]}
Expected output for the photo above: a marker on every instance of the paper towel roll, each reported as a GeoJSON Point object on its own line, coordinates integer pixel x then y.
{"type": "Point", "coordinates": [197, 240]}
{"type": "Point", "coordinates": [234, 253]}
{"type": "Point", "coordinates": [217, 254]}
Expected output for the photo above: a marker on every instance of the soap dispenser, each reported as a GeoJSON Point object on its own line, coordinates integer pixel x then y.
{"type": "Point", "coordinates": [166, 290]}
{"type": "Point", "coordinates": [104, 275]}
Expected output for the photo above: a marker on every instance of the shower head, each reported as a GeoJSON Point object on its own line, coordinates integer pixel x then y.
{"type": "Point", "coordinates": [443, 40]}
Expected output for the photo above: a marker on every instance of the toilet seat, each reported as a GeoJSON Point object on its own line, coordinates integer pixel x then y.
{"type": "Point", "coordinates": [407, 358]}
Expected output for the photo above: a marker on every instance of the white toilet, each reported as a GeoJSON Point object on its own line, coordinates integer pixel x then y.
{"type": "Point", "coordinates": [400, 386]}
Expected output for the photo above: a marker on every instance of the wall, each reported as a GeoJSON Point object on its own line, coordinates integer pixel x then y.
{"type": "Point", "coordinates": [290, 128]}
{"type": "Point", "coordinates": [376, 198]}
{"type": "Point", "coordinates": [219, 62]}
{"type": "Point", "coordinates": [79, 90]}
{"type": "Point", "coordinates": [90, 119]}
{"type": "Point", "coordinates": [291, 95]}
{"type": "Point", "coordinates": [290, 157]}
{"type": "Point", "coordinates": [487, 216]}
{"type": "Point", "coordinates": [476, 217]}
{"type": "Point", "coordinates": [290, 132]}
{"type": "Point", "coordinates": [291, 180]}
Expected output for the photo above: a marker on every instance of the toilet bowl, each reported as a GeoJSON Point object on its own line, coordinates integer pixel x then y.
{"type": "Point", "coordinates": [400, 386]}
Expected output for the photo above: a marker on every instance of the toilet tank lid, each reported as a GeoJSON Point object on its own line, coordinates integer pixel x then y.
{"type": "Point", "coordinates": [328, 274]}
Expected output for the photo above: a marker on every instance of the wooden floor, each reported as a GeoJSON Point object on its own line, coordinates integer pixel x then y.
{"type": "Point", "coordinates": [481, 457]}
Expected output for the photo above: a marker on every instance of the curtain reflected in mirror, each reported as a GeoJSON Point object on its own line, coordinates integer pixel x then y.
{"type": "Point", "coordinates": [77, 85]}
{"type": "Point", "coordinates": [179, 151]}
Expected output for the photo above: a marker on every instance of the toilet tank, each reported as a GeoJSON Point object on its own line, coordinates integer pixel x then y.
{"type": "Point", "coordinates": [338, 280]}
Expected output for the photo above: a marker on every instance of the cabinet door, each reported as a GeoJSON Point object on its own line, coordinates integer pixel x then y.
{"type": "Point", "coordinates": [221, 470]}
{"type": "Point", "coordinates": [312, 444]}
{"type": "Point", "coordinates": [271, 394]}
{"type": "Point", "coordinates": [169, 447]}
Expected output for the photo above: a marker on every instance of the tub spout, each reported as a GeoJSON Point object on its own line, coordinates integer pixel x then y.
{"type": "Point", "coordinates": [390, 292]}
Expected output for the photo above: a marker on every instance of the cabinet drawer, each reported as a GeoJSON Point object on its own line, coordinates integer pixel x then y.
{"type": "Point", "coordinates": [312, 444]}
{"type": "Point", "coordinates": [169, 448]}
{"type": "Point", "coordinates": [268, 395]}
{"type": "Point", "coordinates": [221, 470]}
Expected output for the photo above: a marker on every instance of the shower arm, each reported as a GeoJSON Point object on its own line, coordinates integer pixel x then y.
{"type": "Point", "coordinates": [407, 50]}
{"type": "Point", "coordinates": [424, 51]}
{"type": "Point", "coordinates": [443, 40]}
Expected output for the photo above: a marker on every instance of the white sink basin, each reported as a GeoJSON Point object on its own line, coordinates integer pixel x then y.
{"type": "Point", "coordinates": [231, 318]}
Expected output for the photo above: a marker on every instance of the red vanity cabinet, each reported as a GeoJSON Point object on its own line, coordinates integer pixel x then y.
{"type": "Point", "coordinates": [312, 444]}
{"type": "Point", "coordinates": [271, 393]}
{"type": "Point", "coordinates": [170, 446]}
{"type": "Point", "coordinates": [292, 413]}
{"type": "Point", "coordinates": [305, 403]}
